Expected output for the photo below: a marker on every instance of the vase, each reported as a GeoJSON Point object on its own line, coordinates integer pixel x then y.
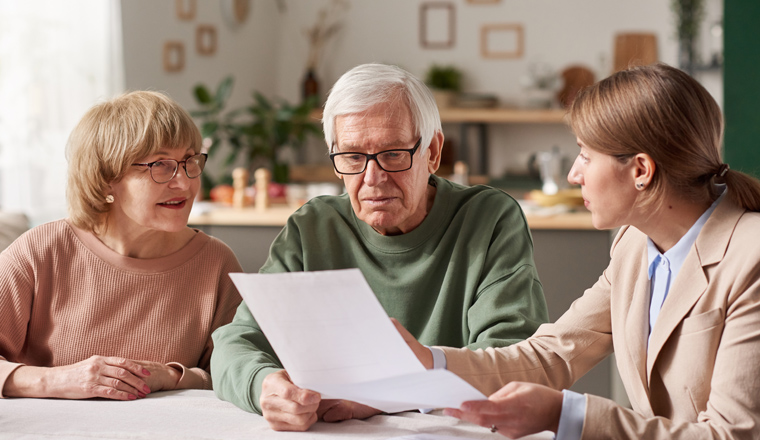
{"type": "Point", "coordinates": [310, 85]}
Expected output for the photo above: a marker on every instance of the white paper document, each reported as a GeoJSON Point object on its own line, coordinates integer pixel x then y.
{"type": "Point", "coordinates": [333, 336]}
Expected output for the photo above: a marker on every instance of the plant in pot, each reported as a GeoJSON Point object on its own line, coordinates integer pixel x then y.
{"type": "Point", "coordinates": [445, 82]}
{"type": "Point", "coordinates": [257, 133]}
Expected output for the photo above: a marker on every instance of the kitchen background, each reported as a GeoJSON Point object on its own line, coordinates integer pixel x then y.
{"type": "Point", "coordinates": [136, 44]}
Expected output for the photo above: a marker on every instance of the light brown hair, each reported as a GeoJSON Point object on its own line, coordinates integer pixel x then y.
{"type": "Point", "coordinates": [110, 138]}
{"type": "Point", "coordinates": [663, 112]}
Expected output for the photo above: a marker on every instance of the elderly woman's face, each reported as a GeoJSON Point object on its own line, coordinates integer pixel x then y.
{"type": "Point", "coordinates": [392, 203]}
{"type": "Point", "coordinates": [140, 204]}
{"type": "Point", "coordinates": [608, 187]}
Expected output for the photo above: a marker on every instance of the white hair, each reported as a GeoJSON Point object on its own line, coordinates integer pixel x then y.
{"type": "Point", "coordinates": [368, 85]}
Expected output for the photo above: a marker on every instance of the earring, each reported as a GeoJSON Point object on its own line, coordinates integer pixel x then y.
{"type": "Point", "coordinates": [109, 198]}
{"type": "Point", "coordinates": [640, 185]}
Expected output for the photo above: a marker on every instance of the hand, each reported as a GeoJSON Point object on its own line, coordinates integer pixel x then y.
{"type": "Point", "coordinates": [423, 353]}
{"type": "Point", "coordinates": [285, 406]}
{"type": "Point", "coordinates": [336, 410]}
{"type": "Point", "coordinates": [99, 376]}
{"type": "Point", "coordinates": [162, 377]}
{"type": "Point", "coordinates": [516, 410]}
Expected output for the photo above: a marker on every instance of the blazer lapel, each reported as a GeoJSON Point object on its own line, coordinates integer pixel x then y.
{"type": "Point", "coordinates": [692, 282]}
{"type": "Point", "coordinates": [636, 332]}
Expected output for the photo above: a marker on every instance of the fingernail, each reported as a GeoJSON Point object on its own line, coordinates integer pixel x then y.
{"type": "Point", "coordinates": [146, 372]}
{"type": "Point", "coordinates": [131, 397]}
{"type": "Point", "coordinates": [141, 394]}
{"type": "Point", "coordinates": [146, 389]}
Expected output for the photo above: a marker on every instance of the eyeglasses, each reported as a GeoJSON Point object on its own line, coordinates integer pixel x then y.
{"type": "Point", "coordinates": [162, 171]}
{"type": "Point", "coordinates": [391, 161]}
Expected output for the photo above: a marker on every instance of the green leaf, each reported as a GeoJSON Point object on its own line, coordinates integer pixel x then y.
{"type": "Point", "coordinates": [202, 94]}
{"type": "Point", "coordinates": [209, 129]}
{"type": "Point", "coordinates": [224, 90]}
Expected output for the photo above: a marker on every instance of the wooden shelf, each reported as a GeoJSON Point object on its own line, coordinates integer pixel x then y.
{"type": "Point", "coordinates": [502, 116]}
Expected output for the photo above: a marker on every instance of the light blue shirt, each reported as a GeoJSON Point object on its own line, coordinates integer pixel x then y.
{"type": "Point", "coordinates": [662, 272]}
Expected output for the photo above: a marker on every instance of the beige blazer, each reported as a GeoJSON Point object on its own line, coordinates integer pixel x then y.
{"type": "Point", "coordinates": [700, 375]}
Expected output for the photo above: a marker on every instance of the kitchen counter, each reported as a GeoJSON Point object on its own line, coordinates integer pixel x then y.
{"type": "Point", "coordinates": [277, 215]}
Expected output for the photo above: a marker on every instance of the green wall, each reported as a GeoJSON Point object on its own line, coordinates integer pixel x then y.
{"type": "Point", "coordinates": [741, 79]}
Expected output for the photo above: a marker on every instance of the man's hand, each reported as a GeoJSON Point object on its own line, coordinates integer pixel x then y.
{"type": "Point", "coordinates": [285, 406]}
{"type": "Point", "coordinates": [423, 353]}
{"type": "Point", "coordinates": [336, 410]}
{"type": "Point", "coordinates": [516, 410]}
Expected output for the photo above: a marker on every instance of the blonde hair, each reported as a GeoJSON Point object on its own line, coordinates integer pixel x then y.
{"type": "Point", "coordinates": [663, 112]}
{"type": "Point", "coordinates": [110, 138]}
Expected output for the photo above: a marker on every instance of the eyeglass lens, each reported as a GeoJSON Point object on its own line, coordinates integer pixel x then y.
{"type": "Point", "coordinates": [163, 171]}
{"type": "Point", "coordinates": [393, 160]}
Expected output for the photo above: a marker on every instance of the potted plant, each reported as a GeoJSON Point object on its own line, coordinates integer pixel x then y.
{"type": "Point", "coordinates": [257, 133]}
{"type": "Point", "coordinates": [689, 15]}
{"type": "Point", "coordinates": [445, 82]}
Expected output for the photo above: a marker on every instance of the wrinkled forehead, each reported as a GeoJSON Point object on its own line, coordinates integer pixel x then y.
{"type": "Point", "coordinates": [382, 124]}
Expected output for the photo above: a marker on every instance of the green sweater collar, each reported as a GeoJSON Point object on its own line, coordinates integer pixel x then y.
{"type": "Point", "coordinates": [430, 226]}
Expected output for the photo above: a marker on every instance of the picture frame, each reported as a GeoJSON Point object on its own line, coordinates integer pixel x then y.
{"type": "Point", "coordinates": [205, 39]}
{"type": "Point", "coordinates": [185, 9]}
{"type": "Point", "coordinates": [437, 25]}
{"type": "Point", "coordinates": [174, 56]}
{"type": "Point", "coordinates": [502, 41]}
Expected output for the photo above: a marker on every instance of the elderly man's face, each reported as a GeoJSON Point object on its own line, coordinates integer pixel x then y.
{"type": "Point", "coordinates": [392, 203]}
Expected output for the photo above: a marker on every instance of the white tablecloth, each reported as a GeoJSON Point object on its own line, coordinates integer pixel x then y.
{"type": "Point", "coordinates": [196, 414]}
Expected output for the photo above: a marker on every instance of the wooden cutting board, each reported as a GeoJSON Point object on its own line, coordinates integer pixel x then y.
{"type": "Point", "coordinates": [634, 49]}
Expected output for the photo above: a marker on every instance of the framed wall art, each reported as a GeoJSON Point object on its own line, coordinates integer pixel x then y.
{"type": "Point", "coordinates": [185, 9]}
{"type": "Point", "coordinates": [437, 29]}
{"type": "Point", "coordinates": [205, 39]}
{"type": "Point", "coordinates": [502, 40]}
{"type": "Point", "coordinates": [174, 56]}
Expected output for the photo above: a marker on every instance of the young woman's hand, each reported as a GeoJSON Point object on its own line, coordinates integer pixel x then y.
{"type": "Point", "coordinates": [516, 410]}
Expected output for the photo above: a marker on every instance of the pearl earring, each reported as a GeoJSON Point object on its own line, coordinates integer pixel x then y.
{"type": "Point", "coordinates": [109, 198]}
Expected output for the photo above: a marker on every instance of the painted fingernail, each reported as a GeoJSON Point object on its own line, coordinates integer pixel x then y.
{"type": "Point", "coordinates": [141, 394]}
{"type": "Point", "coordinates": [146, 372]}
{"type": "Point", "coordinates": [146, 389]}
{"type": "Point", "coordinates": [131, 397]}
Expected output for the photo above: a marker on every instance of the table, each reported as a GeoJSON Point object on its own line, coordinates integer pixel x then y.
{"type": "Point", "coordinates": [199, 414]}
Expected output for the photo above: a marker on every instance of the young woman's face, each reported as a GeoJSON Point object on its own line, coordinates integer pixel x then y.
{"type": "Point", "coordinates": [607, 185]}
{"type": "Point", "coordinates": [141, 205]}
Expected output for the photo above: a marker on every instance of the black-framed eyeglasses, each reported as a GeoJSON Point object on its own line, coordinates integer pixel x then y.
{"type": "Point", "coordinates": [391, 161]}
{"type": "Point", "coordinates": [162, 171]}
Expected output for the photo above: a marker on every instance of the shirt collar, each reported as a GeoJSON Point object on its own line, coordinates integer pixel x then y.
{"type": "Point", "coordinates": [677, 254]}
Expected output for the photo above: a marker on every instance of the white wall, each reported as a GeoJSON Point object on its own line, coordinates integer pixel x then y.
{"type": "Point", "coordinates": [248, 52]}
{"type": "Point", "coordinates": [269, 51]}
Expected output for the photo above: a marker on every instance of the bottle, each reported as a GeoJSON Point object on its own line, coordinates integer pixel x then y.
{"type": "Point", "coordinates": [310, 85]}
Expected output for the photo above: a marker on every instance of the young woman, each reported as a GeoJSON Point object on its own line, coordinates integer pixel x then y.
{"type": "Point", "coordinates": [120, 299]}
{"type": "Point", "coordinates": [679, 303]}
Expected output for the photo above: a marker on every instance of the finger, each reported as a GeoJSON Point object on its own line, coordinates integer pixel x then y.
{"type": "Point", "coordinates": [338, 413]}
{"type": "Point", "coordinates": [129, 382]}
{"type": "Point", "coordinates": [481, 406]}
{"type": "Point", "coordinates": [108, 392]}
{"type": "Point", "coordinates": [131, 366]}
{"type": "Point", "coordinates": [276, 404]}
{"type": "Point", "coordinates": [288, 391]}
{"type": "Point", "coordinates": [293, 424]}
{"type": "Point", "coordinates": [325, 405]}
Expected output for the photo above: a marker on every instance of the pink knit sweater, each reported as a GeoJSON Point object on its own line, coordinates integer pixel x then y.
{"type": "Point", "coordinates": [65, 296]}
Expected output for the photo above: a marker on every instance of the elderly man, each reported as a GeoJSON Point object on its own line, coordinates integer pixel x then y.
{"type": "Point", "coordinates": [452, 264]}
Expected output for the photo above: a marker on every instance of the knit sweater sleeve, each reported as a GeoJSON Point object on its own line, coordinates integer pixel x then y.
{"type": "Point", "coordinates": [16, 298]}
{"type": "Point", "coordinates": [509, 305]}
{"type": "Point", "coordinates": [227, 301]}
{"type": "Point", "coordinates": [242, 356]}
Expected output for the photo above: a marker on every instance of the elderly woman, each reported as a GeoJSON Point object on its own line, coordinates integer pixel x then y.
{"type": "Point", "coordinates": [679, 303]}
{"type": "Point", "coordinates": [120, 299]}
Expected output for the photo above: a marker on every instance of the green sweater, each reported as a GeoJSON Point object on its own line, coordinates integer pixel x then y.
{"type": "Point", "coordinates": [464, 277]}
